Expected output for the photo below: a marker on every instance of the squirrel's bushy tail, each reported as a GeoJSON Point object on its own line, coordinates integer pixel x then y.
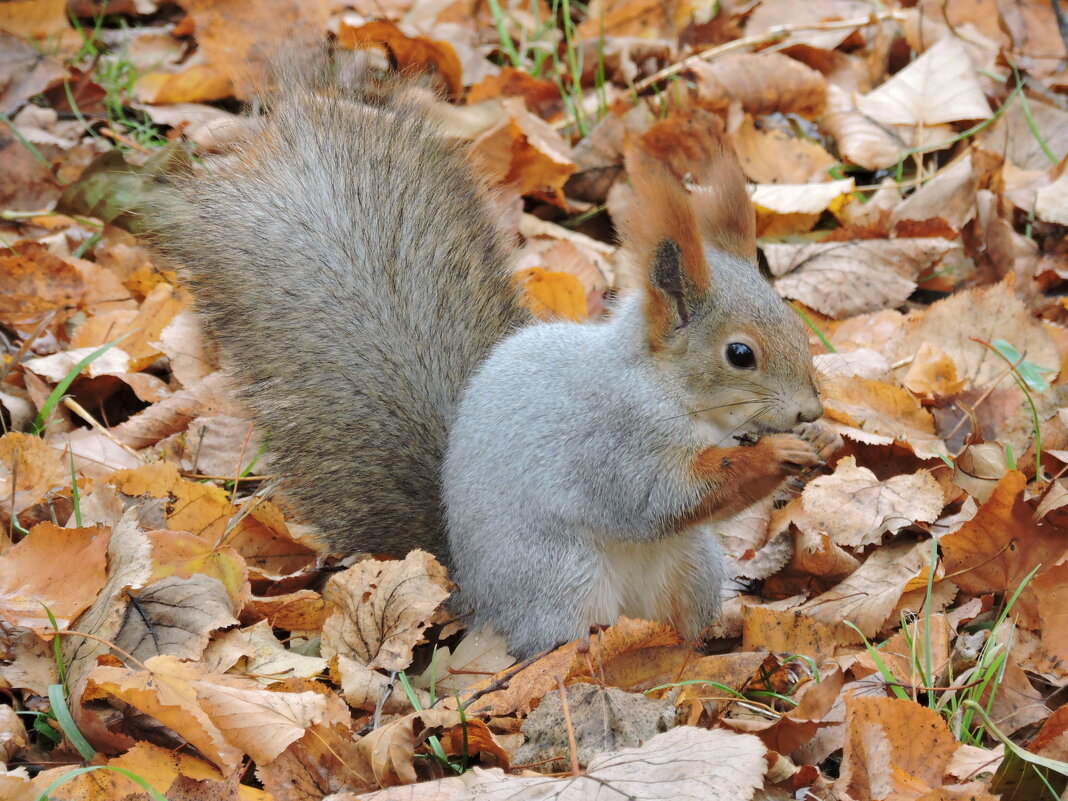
{"type": "Point", "coordinates": [349, 267]}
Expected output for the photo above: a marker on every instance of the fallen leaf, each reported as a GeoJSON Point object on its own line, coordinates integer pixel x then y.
{"type": "Point", "coordinates": [842, 279]}
{"type": "Point", "coordinates": [381, 609]}
{"type": "Point", "coordinates": [996, 549]}
{"type": "Point", "coordinates": [939, 86]}
{"type": "Point", "coordinates": [763, 84]}
{"type": "Point", "coordinates": [893, 748]}
{"type": "Point", "coordinates": [411, 54]}
{"type": "Point", "coordinates": [856, 509]}
{"type": "Point", "coordinates": [57, 570]}
{"type": "Point", "coordinates": [868, 597]}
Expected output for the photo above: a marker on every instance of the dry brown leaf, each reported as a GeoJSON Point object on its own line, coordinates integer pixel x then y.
{"type": "Point", "coordinates": [763, 83]}
{"type": "Point", "coordinates": [861, 363]}
{"type": "Point", "coordinates": [786, 733]}
{"type": "Point", "coordinates": [856, 509]}
{"type": "Point", "coordinates": [182, 344]}
{"type": "Point", "coordinates": [784, 209]}
{"type": "Point", "coordinates": [160, 767]}
{"type": "Point", "coordinates": [34, 467]}
{"type": "Point", "coordinates": [806, 16]}
{"type": "Point", "coordinates": [174, 413]}
{"type": "Point", "coordinates": [986, 313]}
{"type": "Point", "coordinates": [176, 616]}
{"type": "Point", "coordinates": [860, 139]}
{"type": "Point", "coordinates": [217, 445]}
{"type": "Point", "coordinates": [868, 597]}
{"type": "Point", "coordinates": [34, 282]}
{"type": "Point", "coordinates": [525, 152]}
{"type": "Point", "coordinates": [1017, 703]}
{"type": "Point", "coordinates": [703, 679]}
{"type": "Point", "coordinates": [1051, 587]}
{"type": "Point", "coordinates": [481, 652]}
{"type": "Point", "coordinates": [368, 689]}
{"type": "Point", "coordinates": [52, 569]}
{"type": "Point", "coordinates": [381, 609]}
{"type": "Point", "coordinates": [197, 83]}
{"type": "Point", "coordinates": [263, 656]}
{"type": "Point", "coordinates": [238, 39]}
{"type": "Point", "coordinates": [29, 663]}
{"type": "Point", "coordinates": [410, 54]}
{"type": "Point", "coordinates": [877, 413]}
{"type": "Point", "coordinates": [979, 468]}
{"type": "Point", "coordinates": [683, 763]}
{"type": "Point", "coordinates": [932, 373]}
{"type": "Point", "coordinates": [541, 95]}
{"type": "Point", "coordinates": [552, 295]}
{"type": "Point", "coordinates": [601, 719]}
{"type": "Point", "coordinates": [842, 279]}
{"type": "Point", "coordinates": [774, 156]}
{"type": "Point", "coordinates": [948, 197]}
{"type": "Point", "coordinates": [55, 367]}
{"type": "Point", "coordinates": [261, 536]}
{"type": "Point", "coordinates": [303, 610]}
{"type": "Point", "coordinates": [223, 717]}
{"type": "Point", "coordinates": [129, 567]}
{"type": "Point", "coordinates": [893, 749]}
{"type": "Point", "coordinates": [939, 86]}
{"type": "Point", "coordinates": [996, 549]}
{"type": "Point", "coordinates": [792, 631]}
{"type": "Point", "coordinates": [1012, 137]}
{"type": "Point", "coordinates": [1051, 202]}
{"type": "Point", "coordinates": [612, 650]}
{"type": "Point", "coordinates": [321, 762]}
{"type": "Point", "coordinates": [646, 19]}
{"type": "Point", "coordinates": [816, 554]}
{"type": "Point", "coordinates": [38, 19]}
{"type": "Point", "coordinates": [898, 653]}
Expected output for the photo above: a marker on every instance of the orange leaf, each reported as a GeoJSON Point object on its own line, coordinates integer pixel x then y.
{"type": "Point", "coordinates": [551, 295]}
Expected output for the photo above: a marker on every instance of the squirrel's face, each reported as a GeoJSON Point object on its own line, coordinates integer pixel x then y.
{"type": "Point", "coordinates": [739, 353]}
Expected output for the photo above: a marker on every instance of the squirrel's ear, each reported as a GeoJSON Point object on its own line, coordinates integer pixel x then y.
{"type": "Point", "coordinates": [662, 233]}
{"type": "Point", "coordinates": [721, 202]}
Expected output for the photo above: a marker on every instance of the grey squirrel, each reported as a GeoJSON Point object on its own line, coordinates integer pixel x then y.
{"type": "Point", "coordinates": [350, 268]}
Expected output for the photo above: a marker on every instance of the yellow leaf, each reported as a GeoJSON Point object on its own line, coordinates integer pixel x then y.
{"type": "Point", "coordinates": [552, 295]}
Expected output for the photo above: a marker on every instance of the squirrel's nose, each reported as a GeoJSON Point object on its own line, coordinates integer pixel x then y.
{"type": "Point", "coordinates": [810, 412]}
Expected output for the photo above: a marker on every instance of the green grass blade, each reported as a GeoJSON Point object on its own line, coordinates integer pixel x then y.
{"type": "Point", "coordinates": [61, 388]}
{"type": "Point", "coordinates": [63, 717]}
{"type": "Point", "coordinates": [129, 774]}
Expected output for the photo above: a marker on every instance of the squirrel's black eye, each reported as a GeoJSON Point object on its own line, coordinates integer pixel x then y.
{"type": "Point", "coordinates": [741, 356]}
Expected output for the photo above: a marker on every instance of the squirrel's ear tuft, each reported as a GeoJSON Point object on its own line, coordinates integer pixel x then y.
{"type": "Point", "coordinates": [662, 211]}
{"type": "Point", "coordinates": [721, 201]}
{"type": "Point", "coordinates": [664, 237]}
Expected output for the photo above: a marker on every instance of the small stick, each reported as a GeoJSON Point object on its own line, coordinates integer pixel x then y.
{"type": "Point", "coordinates": [118, 137]}
{"type": "Point", "coordinates": [502, 682]}
{"type": "Point", "coordinates": [770, 35]}
{"type": "Point", "coordinates": [571, 744]}
{"type": "Point", "coordinates": [80, 410]}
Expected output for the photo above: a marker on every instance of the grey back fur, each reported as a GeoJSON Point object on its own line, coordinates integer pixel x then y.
{"type": "Point", "coordinates": [350, 269]}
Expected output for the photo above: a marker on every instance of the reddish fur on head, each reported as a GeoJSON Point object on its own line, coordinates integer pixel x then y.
{"type": "Point", "coordinates": [663, 211]}
{"type": "Point", "coordinates": [695, 148]}
{"type": "Point", "coordinates": [662, 216]}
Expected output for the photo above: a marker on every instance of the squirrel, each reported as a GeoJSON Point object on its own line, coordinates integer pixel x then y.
{"type": "Point", "coordinates": [349, 265]}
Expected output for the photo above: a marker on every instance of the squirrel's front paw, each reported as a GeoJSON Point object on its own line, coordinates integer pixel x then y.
{"type": "Point", "coordinates": [792, 455]}
{"type": "Point", "coordinates": [825, 441]}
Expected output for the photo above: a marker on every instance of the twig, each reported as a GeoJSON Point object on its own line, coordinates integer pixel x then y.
{"type": "Point", "coordinates": [79, 410]}
{"type": "Point", "coordinates": [26, 343]}
{"type": "Point", "coordinates": [571, 744]}
{"type": "Point", "coordinates": [123, 139]}
{"type": "Point", "coordinates": [771, 35]}
{"type": "Point", "coordinates": [502, 682]}
{"type": "Point", "coordinates": [1062, 21]}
